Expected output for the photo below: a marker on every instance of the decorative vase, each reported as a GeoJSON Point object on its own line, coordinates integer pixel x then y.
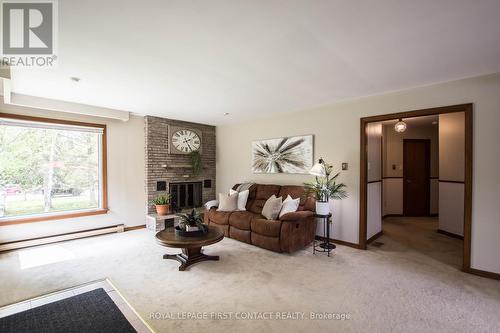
{"type": "Point", "coordinates": [162, 209]}
{"type": "Point", "coordinates": [322, 207]}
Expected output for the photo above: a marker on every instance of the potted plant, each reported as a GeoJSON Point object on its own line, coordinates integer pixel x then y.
{"type": "Point", "coordinates": [191, 224]}
{"type": "Point", "coordinates": [325, 187]}
{"type": "Point", "coordinates": [162, 203]}
{"type": "Point", "coordinates": [196, 162]}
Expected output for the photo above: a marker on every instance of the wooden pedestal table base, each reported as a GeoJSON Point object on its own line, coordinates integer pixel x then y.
{"type": "Point", "coordinates": [191, 246]}
{"type": "Point", "coordinates": [189, 256]}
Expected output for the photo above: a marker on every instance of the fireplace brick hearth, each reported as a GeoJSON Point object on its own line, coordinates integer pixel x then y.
{"type": "Point", "coordinates": [160, 166]}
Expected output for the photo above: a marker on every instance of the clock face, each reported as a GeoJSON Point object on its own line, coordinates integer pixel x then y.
{"type": "Point", "coordinates": [186, 141]}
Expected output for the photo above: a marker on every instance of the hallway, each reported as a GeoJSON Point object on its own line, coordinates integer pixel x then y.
{"type": "Point", "coordinates": [420, 234]}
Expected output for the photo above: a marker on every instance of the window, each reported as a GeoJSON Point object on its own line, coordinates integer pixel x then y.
{"type": "Point", "coordinates": [50, 168]}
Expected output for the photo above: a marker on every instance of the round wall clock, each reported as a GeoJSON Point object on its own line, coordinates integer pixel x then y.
{"type": "Point", "coordinates": [186, 141]}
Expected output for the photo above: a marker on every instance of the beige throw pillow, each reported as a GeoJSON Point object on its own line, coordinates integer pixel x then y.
{"type": "Point", "coordinates": [290, 205]}
{"type": "Point", "coordinates": [242, 198]}
{"type": "Point", "coordinates": [228, 203]}
{"type": "Point", "coordinates": [272, 208]}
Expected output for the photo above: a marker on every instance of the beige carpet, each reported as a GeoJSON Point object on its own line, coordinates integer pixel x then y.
{"type": "Point", "coordinates": [392, 288]}
{"type": "Point", "coordinates": [420, 234]}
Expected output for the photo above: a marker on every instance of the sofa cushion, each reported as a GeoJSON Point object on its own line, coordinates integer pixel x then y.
{"type": "Point", "coordinates": [266, 242]}
{"type": "Point", "coordinates": [309, 204]}
{"type": "Point", "coordinates": [266, 227]}
{"type": "Point", "coordinates": [219, 217]}
{"type": "Point", "coordinates": [241, 235]}
{"type": "Point", "coordinates": [223, 228]}
{"type": "Point", "coordinates": [262, 193]}
{"type": "Point", "coordinates": [241, 220]}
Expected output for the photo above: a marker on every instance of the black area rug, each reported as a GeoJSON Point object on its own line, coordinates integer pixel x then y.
{"type": "Point", "coordinates": [93, 311]}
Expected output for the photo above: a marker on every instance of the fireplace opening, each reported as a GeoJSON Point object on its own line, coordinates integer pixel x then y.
{"type": "Point", "coordinates": [186, 195]}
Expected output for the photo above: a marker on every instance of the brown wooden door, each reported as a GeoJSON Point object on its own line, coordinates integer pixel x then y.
{"type": "Point", "coordinates": [416, 174]}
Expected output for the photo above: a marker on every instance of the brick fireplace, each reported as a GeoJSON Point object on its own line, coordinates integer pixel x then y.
{"type": "Point", "coordinates": [172, 173]}
{"type": "Point", "coordinates": [186, 195]}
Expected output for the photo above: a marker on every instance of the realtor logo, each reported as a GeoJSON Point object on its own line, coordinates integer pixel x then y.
{"type": "Point", "coordinates": [28, 29]}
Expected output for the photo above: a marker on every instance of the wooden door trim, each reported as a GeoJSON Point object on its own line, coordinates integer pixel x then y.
{"type": "Point", "coordinates": [363, 191]}
{"type": "Point", "coordinates": [428, 167]}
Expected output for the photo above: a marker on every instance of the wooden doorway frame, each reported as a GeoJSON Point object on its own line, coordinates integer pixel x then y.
{"type": "Point", "coordinates": [467, 109]}
{"type": "Point", "coordinates": [428, 170]}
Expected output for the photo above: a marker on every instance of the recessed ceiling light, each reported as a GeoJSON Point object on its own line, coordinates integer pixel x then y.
{"type": "Point", "coordinates": [74, 79]}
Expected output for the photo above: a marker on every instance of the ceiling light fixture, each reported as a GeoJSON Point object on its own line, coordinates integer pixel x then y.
{"type": "Point", "coordinates": [400, 126]}
{"type": "Point", "coordinates": [74, 79]}
{"type": "Point", "coordinates": [226, 113]}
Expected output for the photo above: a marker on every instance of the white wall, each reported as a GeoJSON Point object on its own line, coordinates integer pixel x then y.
{"type": "Point", "coordinates": [393, 196]}
{"type": "Point", "coordinates": [452, 168]}
{"type": "Point", "coordinates": [125, 151]}
{"type": "Point", "coordinates": [337, 129]}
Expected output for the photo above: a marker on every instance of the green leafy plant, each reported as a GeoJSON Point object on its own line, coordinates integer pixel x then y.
{"type": "Point", "coordinates": [162, 199]}
{"type": "Point", "coordinates": [326, 187]}
{"type": "Point", "coordinates": [196, 162]}
{"type": "Point", "coordinates": [192, 219]}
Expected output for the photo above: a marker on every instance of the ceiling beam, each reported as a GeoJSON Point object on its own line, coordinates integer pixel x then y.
{"type": "Point", "coordinates": [52, 104]}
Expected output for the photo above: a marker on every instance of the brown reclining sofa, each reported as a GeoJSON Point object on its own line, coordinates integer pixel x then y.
{"type": "Point", "coordinates": [292, 232]}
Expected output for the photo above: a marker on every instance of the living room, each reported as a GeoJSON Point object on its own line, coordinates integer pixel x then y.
{"type": "Point", "coordinates": [232, 116]}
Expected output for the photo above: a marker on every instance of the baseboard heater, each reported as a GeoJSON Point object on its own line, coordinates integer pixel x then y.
{"type": "Point", "coordinates": [59, 238]}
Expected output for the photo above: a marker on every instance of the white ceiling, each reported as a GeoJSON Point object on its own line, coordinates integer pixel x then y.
{"type": "Point", "coordinates": [196, 60]}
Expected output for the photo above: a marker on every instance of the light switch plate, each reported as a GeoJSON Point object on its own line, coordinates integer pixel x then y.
{"type": "Point", "coordinates": [345, 166]}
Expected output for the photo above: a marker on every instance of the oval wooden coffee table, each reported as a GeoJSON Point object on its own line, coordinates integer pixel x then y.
{"type": "Point", "coordinates": [191, 246]}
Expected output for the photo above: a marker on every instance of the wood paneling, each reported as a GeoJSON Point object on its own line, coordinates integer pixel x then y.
{"type": "Point", "coordinates": [416, 177]}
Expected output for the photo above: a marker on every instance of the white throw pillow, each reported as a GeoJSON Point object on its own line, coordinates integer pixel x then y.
{"type": "Point", "coordinates": [242, 198]}
{"type": "Point", "coordinates": [272, 208]}
{"type": "Point", "coordinates": [211, 203]}
{"type": "Point", "coordinates": [290, 205]}
{"type": "Point", "coordinates": [228, 203]}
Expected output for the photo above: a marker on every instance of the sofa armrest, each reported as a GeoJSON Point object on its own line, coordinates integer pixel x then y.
{"type": "Point", "coordinates": [295, 216]}
{"type": "Point", "coordinates": [211, 203]}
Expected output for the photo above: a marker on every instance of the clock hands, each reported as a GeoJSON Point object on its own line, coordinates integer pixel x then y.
{"type": "Point", "coordinates": [186, 141]}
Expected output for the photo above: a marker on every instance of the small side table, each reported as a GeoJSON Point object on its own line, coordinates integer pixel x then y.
{"type": "Point", "coordinates": [325, 246]}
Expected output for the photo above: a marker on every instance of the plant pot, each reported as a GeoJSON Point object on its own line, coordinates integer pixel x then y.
{"type": "Point", "coordinates": [190, 228]}
{"type": "Point", "coordinates": [162, 209]}
{"type": "Point", "coordinates": [322, 207]}
{"type": "Point", "coordinates": [185, 233]}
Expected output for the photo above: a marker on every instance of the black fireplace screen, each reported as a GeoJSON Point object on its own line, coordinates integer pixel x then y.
{"type": "Point", "coordinates": [186, 195]}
